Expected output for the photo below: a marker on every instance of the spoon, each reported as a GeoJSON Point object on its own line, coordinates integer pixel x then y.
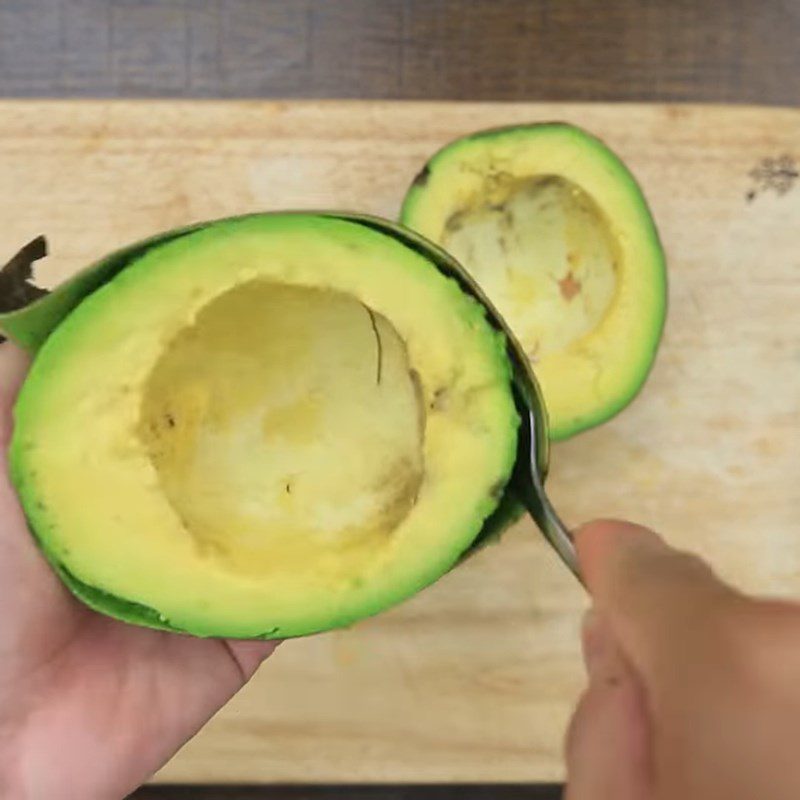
{"type": "Point", "coordinates": [530, 469]}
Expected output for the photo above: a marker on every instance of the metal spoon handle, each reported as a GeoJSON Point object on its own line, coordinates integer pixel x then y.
{"type": "Point", "coordinates": [533, 495]}
{"type": "Point", "coordinates": [555, 531]}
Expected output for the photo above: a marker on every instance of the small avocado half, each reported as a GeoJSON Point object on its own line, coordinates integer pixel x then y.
{"type": "Point", "coordinates": [261, 427]}
{"type": "Point", "coordinates": [557, 232]}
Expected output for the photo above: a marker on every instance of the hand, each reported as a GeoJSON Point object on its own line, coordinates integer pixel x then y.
{"type": "Point", "coordinates": [694, 689]}
{"type": "Point", "coordinates": [90, 707]}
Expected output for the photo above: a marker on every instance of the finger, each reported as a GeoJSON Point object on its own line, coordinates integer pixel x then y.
{"type": "Point", "coordinates": [14, 362]}
{"type": "Point", "coordinates": [657, 600]}
{"type": "Point", "coordinates": [608, 744]}
{"type": "Point", "coordinates": [35, 604]}
{"type": "Point", "coordinates": [250, 653]}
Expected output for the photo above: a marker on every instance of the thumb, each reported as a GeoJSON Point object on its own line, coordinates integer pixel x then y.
{"type": "Point", "coordinates": [608, 740]}
{"type": "Point", "coordinates": [658, 601]}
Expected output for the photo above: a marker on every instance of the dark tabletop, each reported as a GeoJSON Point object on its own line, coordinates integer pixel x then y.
{"type": "Point", "coordinates": [712, 50]}
{"type": "Point", "coordinates": [742, 51]}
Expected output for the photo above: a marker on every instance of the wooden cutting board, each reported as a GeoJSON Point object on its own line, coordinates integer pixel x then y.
{"type": "Point", "coordinates": [474, 679]}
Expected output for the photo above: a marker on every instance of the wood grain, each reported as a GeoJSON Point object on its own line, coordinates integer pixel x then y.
{"type": "Point", "coordinates": [474, 679]}
{"type": "Point", "coordinates": [716, 50]}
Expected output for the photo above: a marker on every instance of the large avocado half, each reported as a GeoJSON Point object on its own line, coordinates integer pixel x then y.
{"type": "Point", "coordinates": [556, 231]}
{"type": "Point", "coordinates": [261, 427]}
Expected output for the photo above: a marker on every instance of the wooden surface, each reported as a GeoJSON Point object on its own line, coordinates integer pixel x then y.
{"type": "Point", "coordinates": [473, 680]}
{"type": "Point", "coordinates": [716, 50]}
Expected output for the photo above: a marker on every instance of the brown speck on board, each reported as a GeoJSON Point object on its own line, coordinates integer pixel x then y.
{"type": "Point", "coordinates": [569, 286]}
{"type": "Point", "coordinates": [777, 175]}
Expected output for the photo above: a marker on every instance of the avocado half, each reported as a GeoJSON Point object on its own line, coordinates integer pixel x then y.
{"type": "Point", "coordinates": [557, 232]}
{"type": "Point", "coordinates": [261, 427]}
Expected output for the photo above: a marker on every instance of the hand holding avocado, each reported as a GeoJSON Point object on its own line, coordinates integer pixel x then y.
{"type": "Point", "coordinates": [90, 707]}
{"type": "Point", "coordinates": [267, 426]}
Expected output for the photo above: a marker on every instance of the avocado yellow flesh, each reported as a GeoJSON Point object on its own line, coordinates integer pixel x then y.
{"type": "Point", "coordinates": [267, 427]}
{"type": "Point", "coordinates": [557, 233]}
{"type": "Point", "coordinates": [285, 419]}
{"type": "Point", "coordinates": [546, 256]}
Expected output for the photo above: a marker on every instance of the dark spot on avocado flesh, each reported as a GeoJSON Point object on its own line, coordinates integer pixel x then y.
{"type": "Point", "coordinates": [170, 420]}
{"type": "Point", "coordinates": [422, 177]}
{"type": "Point", "coordinates": [569, 286]}
{"type": "Point", "coordinates": [439, 400]}
{"type": "Point", "coordinates": [419, 396]}
{"type": "Point", "coordinates": [496, 492]}
{"type": "Point", "coordinates": [455, 222]}
{"type": "Point", "coordinates": [378, 343]}
{"type": "Point", "coordinates": [400, 485]}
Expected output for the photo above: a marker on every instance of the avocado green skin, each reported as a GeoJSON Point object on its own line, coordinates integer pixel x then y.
{"type": "Point", "coordinates": [31, 326]}
{"type": "Point", "coordinates": [623, 174]}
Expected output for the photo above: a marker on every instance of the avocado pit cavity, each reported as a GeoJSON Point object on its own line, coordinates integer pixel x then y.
{"type": "Point", "coordinates": [541, 248]}
{"type": "Point", "coordinates": [285, 419]}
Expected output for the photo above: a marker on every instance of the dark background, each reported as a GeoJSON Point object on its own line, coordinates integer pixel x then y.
{"type": "Point", "coordinates": [739, 51]}
{"type": "Point", "coordinates": [713, 50]}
